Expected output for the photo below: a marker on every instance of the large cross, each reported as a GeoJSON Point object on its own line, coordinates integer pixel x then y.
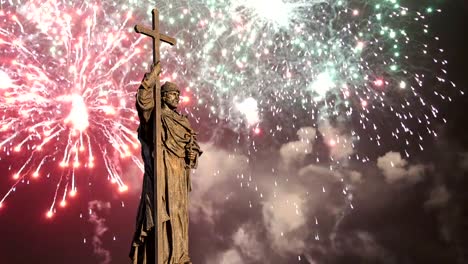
{"type": "Point", "coordinates": [157, 37]}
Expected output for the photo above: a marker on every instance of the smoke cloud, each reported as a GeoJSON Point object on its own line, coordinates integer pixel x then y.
{"type": "Point", "coordinates": [99, 223]}
{"type": "Point", "coordinates": [396, 169]}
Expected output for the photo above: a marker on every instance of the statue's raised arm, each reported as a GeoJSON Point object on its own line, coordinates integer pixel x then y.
{"type": "Point", "coordinates": [145, 96]}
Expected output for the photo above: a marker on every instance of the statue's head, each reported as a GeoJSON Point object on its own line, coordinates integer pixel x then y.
{"type": "Point", "coordinates": [170, 94]}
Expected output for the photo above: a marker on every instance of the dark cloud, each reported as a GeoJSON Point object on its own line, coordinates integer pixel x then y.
{"type": "Point", "coordinates": [438, 197]}
{"type": "Point", "coordinates": [464, 161]}
{"type": "Point", "coordinates": [286, 205]}
{"type": "Point", "coordinates": [303, 211]}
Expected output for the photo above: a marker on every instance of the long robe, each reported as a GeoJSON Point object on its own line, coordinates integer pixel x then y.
{"type": "Point", "coordinates": [177, 136]}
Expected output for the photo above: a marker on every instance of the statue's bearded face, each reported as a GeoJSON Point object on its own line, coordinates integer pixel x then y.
{"type": "Point", "coordinates": [171, 99]}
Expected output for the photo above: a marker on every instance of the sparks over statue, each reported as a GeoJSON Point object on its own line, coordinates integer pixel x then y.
{"type": "Point", "coordinates": [169, 151]}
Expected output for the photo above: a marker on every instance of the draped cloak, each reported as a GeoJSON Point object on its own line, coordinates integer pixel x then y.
{"type": "Point", "coordinates": [177, 136]}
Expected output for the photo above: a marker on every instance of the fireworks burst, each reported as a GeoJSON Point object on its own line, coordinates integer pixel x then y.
{"type": "Point", "coordinates": [364, 73]}
{"type": "Point", "coordinates": [67, 91]}
{"type": "Point", "coordinates": [360, 71]}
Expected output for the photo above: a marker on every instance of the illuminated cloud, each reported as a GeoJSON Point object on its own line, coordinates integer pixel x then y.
{"type": "Point", "coordinates": [396, 169]}
{"type": "Point", "coordinates": [294, 152]}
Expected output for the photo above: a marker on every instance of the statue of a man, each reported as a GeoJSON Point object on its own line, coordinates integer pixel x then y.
{"type": "Point", "coordinates": [180, 152]}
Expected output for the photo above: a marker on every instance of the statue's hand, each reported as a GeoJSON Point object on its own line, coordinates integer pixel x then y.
{"type": "Point", "coordinates": [192, 155]}
{"type": "Point", "coordinates": [155, 69]}
{"type": "Point", "coordinates": [151, 77]}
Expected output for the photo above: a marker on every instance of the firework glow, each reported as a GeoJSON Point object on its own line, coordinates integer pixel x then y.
{"type": "Point", "coordinates": [67, 92]}
{"type": "Point", "coordinates": [362, 73]}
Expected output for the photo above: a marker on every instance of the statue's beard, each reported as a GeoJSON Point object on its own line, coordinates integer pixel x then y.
{"type": "Point", "coordinates": [172, 103]}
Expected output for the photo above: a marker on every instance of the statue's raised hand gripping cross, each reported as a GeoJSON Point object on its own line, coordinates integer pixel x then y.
{"type": "Point", "coordinates": [157, 37]}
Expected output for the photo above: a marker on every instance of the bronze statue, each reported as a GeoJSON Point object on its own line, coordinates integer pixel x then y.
{"type": "Point", "coordinates": [180, 153]}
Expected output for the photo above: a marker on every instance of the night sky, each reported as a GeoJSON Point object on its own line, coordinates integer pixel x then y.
{"type": "Point", "coordinates": [267, 203]}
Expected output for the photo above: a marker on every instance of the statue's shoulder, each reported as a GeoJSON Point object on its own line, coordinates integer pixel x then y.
{"type": "Point", "coordinates": [182, 118]}
{"type": "Point", "coordinates": [186, 120]}
{"type": "Point", "coordinates": [180, 115]}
